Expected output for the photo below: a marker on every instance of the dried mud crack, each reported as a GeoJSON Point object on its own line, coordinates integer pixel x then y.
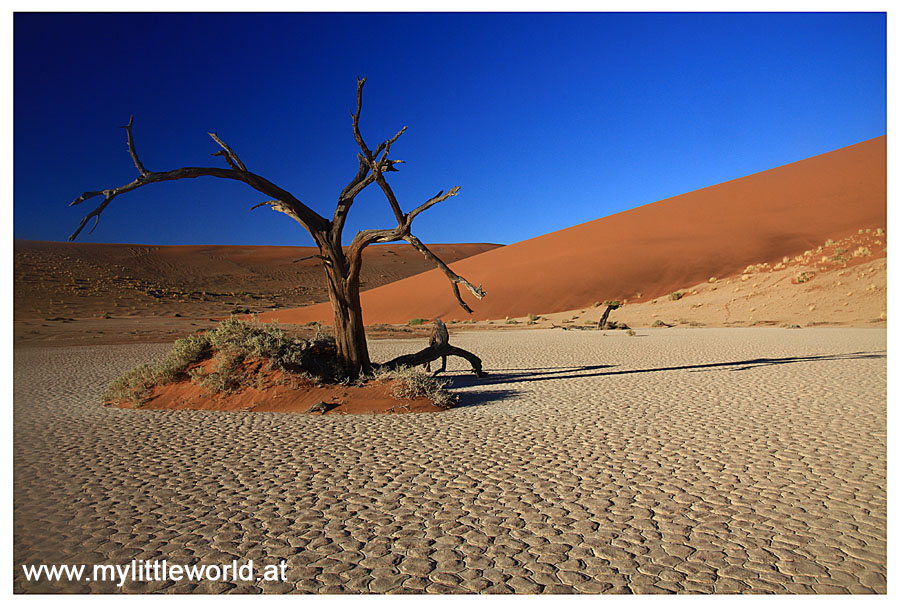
{"type": "Point", "coordinates": [713, 460]}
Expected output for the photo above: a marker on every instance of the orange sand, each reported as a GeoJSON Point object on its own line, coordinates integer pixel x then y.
{"type": "Point", "coordinates": [654, 249]}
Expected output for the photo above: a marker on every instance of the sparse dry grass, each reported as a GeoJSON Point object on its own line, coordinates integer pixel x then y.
{"type": "Point", "coordinates": [230, 343]}
{"type": "Point", "coordinates": [235, 340]}
{"type": "Point", "coordinates": [414, 383]}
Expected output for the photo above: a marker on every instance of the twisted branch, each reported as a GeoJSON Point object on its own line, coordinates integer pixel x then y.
{"type": "Point", "coordinates": [455, 279]}
{"type": "Point", "coordinates": [286, 202]}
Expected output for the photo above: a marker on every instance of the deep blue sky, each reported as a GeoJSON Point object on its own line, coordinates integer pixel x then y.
{"type": "Point", "coordinates": [544, 120]}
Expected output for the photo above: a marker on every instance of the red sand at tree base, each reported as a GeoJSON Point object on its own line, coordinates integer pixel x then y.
{"type": "Point", "coordinates": [277, 391]}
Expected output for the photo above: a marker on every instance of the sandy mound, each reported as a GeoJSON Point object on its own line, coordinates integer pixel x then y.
{"type": "Point", "coordinates": [241, 365]}
{"type": "Point", "coordinates": [655, 249]}
{"type": "Point", "coordinates": [277, 391]}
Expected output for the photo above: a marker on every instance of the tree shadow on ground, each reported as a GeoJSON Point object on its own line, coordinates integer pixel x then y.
{"type": "Point", "coordinates": [470, 399]}
{"type": "Point", "coordinates": [524, 375]}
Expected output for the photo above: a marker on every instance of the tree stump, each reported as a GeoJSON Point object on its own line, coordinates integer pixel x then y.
{"type": "Point", "coordinates": [438, 347]}
{"type": "Point", "coordinates": [610, 305]}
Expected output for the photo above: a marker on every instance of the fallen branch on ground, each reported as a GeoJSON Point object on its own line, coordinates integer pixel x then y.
{"type": "Point", "coordinates": [438, 347]}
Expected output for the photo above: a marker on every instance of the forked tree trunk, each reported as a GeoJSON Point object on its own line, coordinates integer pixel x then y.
{"type": "Point", "coordinates": [343, 291]}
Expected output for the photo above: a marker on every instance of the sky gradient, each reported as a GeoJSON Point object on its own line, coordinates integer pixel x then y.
{"type": "Point", "coordinates": [544, 120]}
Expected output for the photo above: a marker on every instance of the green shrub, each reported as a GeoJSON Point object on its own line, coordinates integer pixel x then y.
{"type": "Point", "coordinates": [676, 295]}
{"type": "Point", "coordinates": [416, 321]}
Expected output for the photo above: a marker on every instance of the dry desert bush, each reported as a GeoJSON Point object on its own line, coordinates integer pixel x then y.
{"type": "Point", "coordinates": [235, 340]}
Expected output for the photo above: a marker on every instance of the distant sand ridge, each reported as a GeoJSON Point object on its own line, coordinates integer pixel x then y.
{"type": "Point", "coordinates": [74, 293]}
{"type": "Point", "coordinates": [655, 249]}
{"type": "Point", "coordinates": [72, 278]}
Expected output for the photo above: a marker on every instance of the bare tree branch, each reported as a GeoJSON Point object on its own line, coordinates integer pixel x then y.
{"type": "Point", "coordinates": [455, 279]}
{"type": "Point", "coordinates": [373, 236]}
{"type": "Point", "coordinates": [342, 266]}
{"type": "Point", "coordinates": [438, 347]}
{"type": "Point", "coordinates": [228, 159]}
{"type": "Point", "coordinates": [279, 206]}
{"type": "Point", "coordinates": [389, 194]}
{"type": "Point", "coordinates": [131, 150]}
{"type": "Point", "coordinates": [266, 203]}
{"type": "Point", "coordinates": [376, 166]}
{"type": "Point", "coordinates": [353, 187]}
{"type": "Point", "coordinates": [360, 82]}
{"type": "Point", "coordinates": [286, 202]}
{"type": "Point", "coordinates": [231, 157]}
{"type": "Point", "coordinates": [402, 232]}
{"type": "Point", "coordinates": [362, 180]}
{"type": "Point", "coordinates": [440, 197]}
{"type": "Point", "coordinates": [387, 150]}
{"type": "Point", "coordinates": [95, 214]}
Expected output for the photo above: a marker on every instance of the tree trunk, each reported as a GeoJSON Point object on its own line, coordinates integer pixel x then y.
{"type": "Point", "coordinates": [349, 331]}
{"type": "Point", "coordinates": [603, 320]}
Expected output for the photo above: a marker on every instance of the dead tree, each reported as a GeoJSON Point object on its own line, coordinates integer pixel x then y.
{"type": "Point", "coordinates": [438, 347]}
{"type": "Point", "coordinates": [342, 266]}
{"type": "Point", "coordinates": [610, 305]}
{"type": "Point", "coordinates": [438, 338]}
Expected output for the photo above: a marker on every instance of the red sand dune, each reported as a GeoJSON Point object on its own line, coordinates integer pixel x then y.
{"type": "Point", "coordinates": [654, 249]}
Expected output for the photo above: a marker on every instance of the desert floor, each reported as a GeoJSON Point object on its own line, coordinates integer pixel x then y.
{"type": "Point", "coordinates": [677, 460]}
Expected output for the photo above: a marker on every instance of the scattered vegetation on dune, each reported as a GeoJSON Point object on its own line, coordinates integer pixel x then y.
{"type": "Point", "coordinates": [235, 341]}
